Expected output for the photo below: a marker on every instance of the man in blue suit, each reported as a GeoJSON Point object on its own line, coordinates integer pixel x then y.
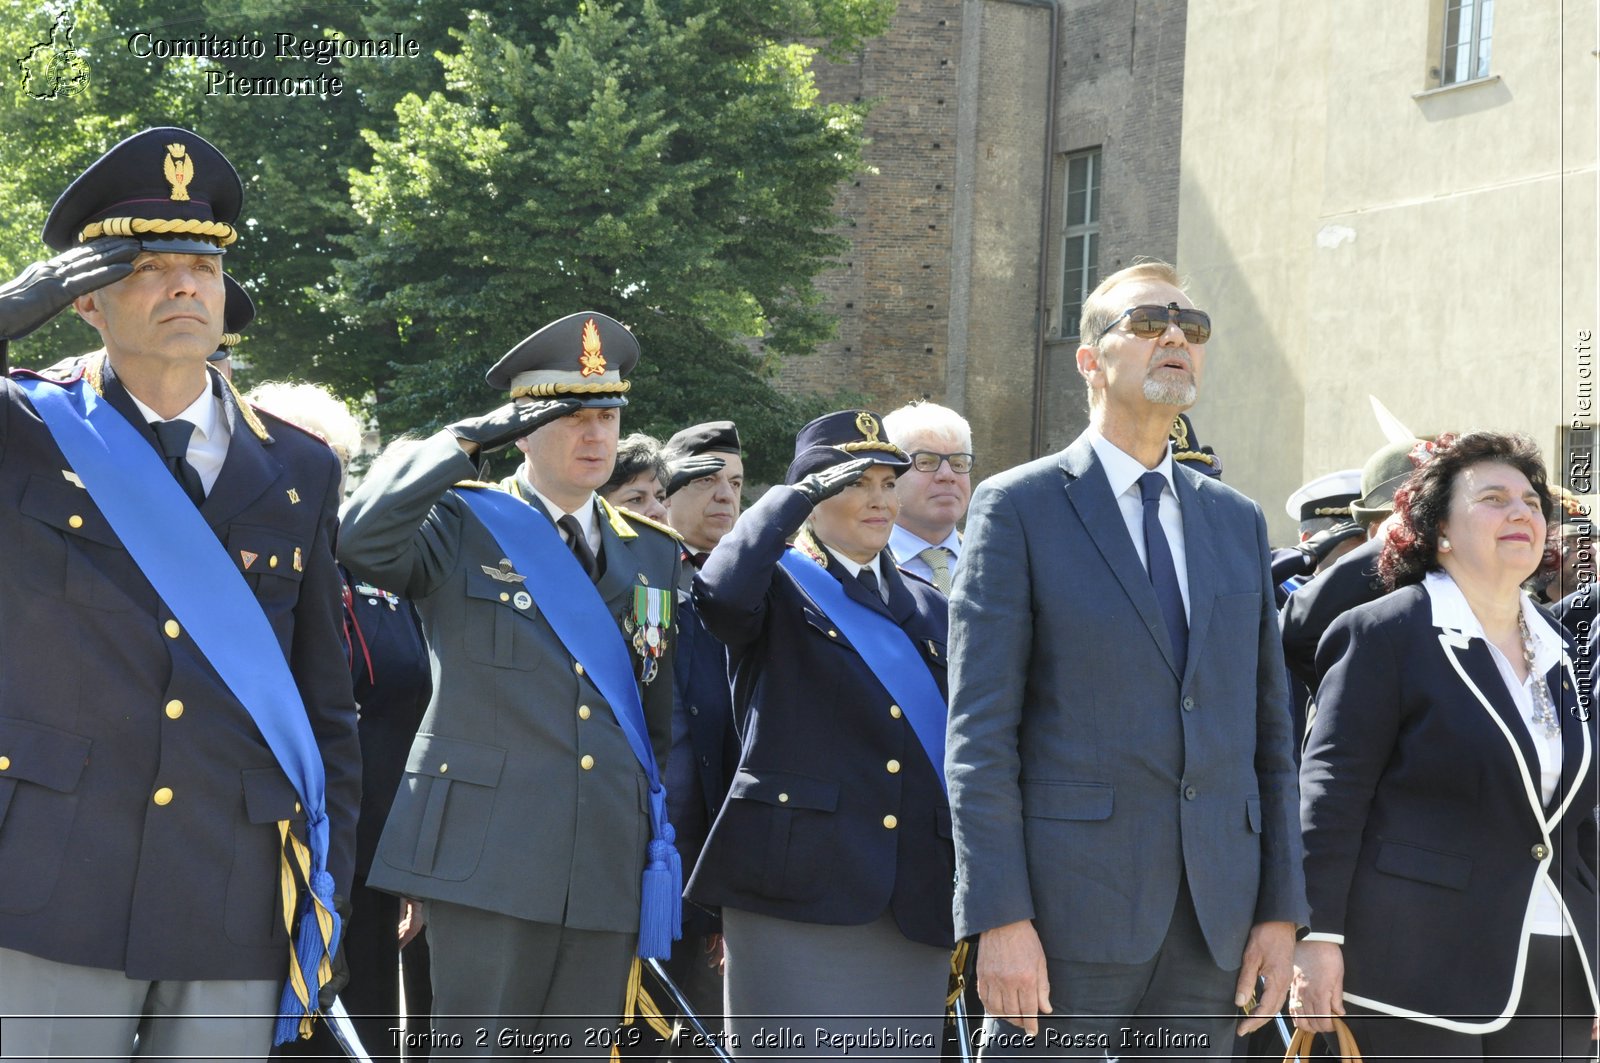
{"type": "Point", "coordinates": [1119, 768]}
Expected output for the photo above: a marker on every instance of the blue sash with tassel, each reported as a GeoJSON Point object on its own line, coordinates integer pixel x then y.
{"type": "Point", "coordinates": [589, 632]}
{"type": "Point", "coordinates": [187, 565]}
{"type": "Point", "coordinates": [887, 650]}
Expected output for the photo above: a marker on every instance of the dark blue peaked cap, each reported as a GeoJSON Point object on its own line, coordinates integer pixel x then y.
{"type": "Point", "coordinates": [167, 187]}
{"type": "Point", "coordinates": [835, 438]}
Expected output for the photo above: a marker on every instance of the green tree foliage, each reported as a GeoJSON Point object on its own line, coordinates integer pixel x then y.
{"type": "Point", "coordinates": [664, 161]}
{"type": "Point", "coordinates": [661, 161]}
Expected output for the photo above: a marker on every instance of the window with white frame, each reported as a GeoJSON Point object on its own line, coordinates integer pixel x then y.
{"type": "Point", "coordinates": [1080, 246]}
{"type": "Point", "coordinates": [1468, 28]}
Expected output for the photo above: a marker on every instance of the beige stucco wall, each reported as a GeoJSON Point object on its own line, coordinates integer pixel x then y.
{"type": "Point", "coordinates": [1350, 237]}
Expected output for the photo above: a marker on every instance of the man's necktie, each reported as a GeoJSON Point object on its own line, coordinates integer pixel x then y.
{"type": "Point", "coordinates": [869, 580]}
{"type": "Point", "coordinates": [1163, 573]}
{"type": "Point", "coordinates": [174, 438]}
{"type": "Point", "coordinates": [579, 545]}
{"type": "Point", "coordinates": [937, 558]}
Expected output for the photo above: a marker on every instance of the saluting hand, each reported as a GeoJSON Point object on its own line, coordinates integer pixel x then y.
{"type": "Point", "coordinates": [1013, 982]}
{"type": "Point", "coordinates": [826, 483]}
{"type": "Point", "coordinates": [46, 288]}
{"type": "Point", "coordinates": [686, 470]}
{"type": "Point", "coordinates": [500, 428]}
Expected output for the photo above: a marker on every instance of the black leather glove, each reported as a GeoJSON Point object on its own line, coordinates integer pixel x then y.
{"type": "Point", "coordinates": [830, 481]}
{"type": "Point", "coordinates": [689, 468]}
{"type": "Point", "coordinates": [500, 428]}
{"type": "Point", "coordinates": [1320, 545]}
{"type": "Point", "coordinates": [45, 289]}
{"type": "Point", "coordinates": [341, 967]}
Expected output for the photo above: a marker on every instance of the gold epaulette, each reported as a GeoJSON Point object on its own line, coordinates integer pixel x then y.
{"type": "Point", "coordinates": [480, 483]}
{"type": "Point", "coordinates": [248, 412]}
{"type": "Point", "coordinates": [618, 525]}
{"type": "Point", "coordinates": [1194, 455]}
{"type": "Point", "coordinates": [642, 519]}
{"type": "Point", "coordinates": [807, 544]}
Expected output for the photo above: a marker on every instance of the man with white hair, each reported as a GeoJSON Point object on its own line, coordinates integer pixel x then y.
{"type": "Point", "coordinates": [934, 492]}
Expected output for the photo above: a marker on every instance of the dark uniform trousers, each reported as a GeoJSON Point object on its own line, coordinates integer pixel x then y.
{"type": "Point", "coordinates": [138, 801]}
{"type": "Point", "coordinates": [523, 815]}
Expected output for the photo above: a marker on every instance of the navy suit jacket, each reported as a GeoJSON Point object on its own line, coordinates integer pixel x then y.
{"type": "Point", "coordinates": [827, 758]}
{"type": "Point", "coordinates": [1424, 833]}
{"type": "Point", "coordinates": [99, 708]}
{"type": "Point", "coordinates": [1086, 775]}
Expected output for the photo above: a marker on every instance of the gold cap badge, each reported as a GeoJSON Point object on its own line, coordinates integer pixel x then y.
{"type": "Point", "coordinates": [592, 359]}
{"type": "Point", "coordinates": [868, 426]}
{"type": "Point", "coordinates": [179, 170]}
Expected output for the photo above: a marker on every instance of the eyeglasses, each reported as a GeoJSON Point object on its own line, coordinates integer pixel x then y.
{"type": "Point", "coordinates": [928, 461]}
{"type": "Point", "coordinates": [1149, 322]}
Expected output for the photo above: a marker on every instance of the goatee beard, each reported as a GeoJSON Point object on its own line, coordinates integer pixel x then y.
{"type": "Point", "coordinates": [1164, 392]}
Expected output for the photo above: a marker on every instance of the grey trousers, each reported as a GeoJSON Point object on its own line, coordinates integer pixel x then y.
{"type": "Point", "coordinates": [812, 991]}
{"type": "Point", "coordinates": [51, 1010]}
{"type": "Point", "coordinates": [506, 988]}
{"type": "Point", "coordinates": [1176, 1006]}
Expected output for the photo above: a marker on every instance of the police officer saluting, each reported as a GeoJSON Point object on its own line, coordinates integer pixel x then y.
{"type": "Point", "coordinates": [195, 757]}
{"type": "Point", "coordinates": [531, 817]}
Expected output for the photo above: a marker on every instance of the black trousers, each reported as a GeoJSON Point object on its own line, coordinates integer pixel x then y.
{"type": "Point", "coordinates": [1553, 1020]}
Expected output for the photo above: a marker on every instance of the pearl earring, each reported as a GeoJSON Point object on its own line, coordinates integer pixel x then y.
{"type": "Point", "coordinates": [1444, 543]}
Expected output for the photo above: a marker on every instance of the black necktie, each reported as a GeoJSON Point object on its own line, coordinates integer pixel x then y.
{"type": "Point", "coordinates": [869, 580]}
{"type": "Point", "coordinates": [1163, 573]}
{"type": "Point", "coordinates": [174, 438]}
{"type": "Point", "coordinates": [579, 545]}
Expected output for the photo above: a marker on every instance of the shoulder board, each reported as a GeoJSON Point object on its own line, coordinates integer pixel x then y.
{"type": "Point", "coordinates": [807, 544]}
{"type": "Point", "coordinates": [613, 516]}
{"type": "Point", "coordinates": [484, 484]}
{"type": "Point", "coordinates": [63, 373]}
{"type": "Point", "coordinates": [647, 522]}
{"type": "Point", "coordinates": [250, 415]}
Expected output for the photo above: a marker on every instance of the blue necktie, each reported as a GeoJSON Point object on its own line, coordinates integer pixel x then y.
{"type": "Point", "coordinates": [1163, 573]}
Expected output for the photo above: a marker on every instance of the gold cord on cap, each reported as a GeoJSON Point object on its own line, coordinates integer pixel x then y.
{"type": "Point", "coordinates": [223, 233]}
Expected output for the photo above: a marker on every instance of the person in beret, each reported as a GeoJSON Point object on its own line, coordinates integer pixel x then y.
{"type": "Point", "coordinates": [159, 792]}
{"type": "Point", "coordinates": [530, 819]}
{"type": "Point", "coordinates": [831, 857]}
{"type": "Point", "coordinates": [705, 478]}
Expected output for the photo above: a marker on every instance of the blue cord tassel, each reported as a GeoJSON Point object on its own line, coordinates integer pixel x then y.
{"type": "Point", "coordinates": [661, 893]}
{"type": "Point", "coordinates": [309, 950]}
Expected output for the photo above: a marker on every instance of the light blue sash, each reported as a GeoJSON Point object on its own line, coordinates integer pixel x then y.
{"type": "Point", "coordinates": [890, 654]}
{"type": "Point", "coordinates": [579, 618]}
{"type": "Point", "coordinates": [187, 565]}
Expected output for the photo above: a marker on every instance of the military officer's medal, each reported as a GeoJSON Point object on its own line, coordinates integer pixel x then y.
{"type": "Point", "coordinates": [647, 626]}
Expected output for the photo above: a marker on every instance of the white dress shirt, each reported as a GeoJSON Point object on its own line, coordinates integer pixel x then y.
{"type": "Point", "coordinates": [855, 567]}
{"type": "Point", "coordinates": [208, 446]}
{"type": "Point", "coordinates": [905, 546]}
{"type": "Point", "coordinates": [1123, 471]}
{"type": "Point", "coordinates": [587, 514]}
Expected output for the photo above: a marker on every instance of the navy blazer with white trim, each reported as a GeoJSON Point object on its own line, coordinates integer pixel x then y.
{"type": "Point", "coordinates": [1424, 833]}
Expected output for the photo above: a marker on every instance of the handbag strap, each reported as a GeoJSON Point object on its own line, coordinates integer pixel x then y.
{"type": "Point", "coordinates": [1301, 1044]}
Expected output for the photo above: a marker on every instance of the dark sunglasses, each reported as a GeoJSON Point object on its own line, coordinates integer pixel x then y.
{"type": "Point", "coordinates": [1149, 322]}
{"type": "Point", "coordinates": [928, 461]}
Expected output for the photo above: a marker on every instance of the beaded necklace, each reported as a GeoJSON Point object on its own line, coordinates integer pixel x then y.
{"type": "Point", "coordinates": [1544, 709]}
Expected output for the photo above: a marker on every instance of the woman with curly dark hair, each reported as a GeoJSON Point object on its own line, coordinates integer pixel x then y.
{"type": "Point", "coordinates": [1448, 789]}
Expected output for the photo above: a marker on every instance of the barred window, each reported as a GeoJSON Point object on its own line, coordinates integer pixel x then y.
{"type": "Point", "coordinates": [1080, 245]}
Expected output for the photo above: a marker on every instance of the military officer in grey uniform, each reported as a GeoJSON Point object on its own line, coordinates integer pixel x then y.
{"type": "Point", "coordinates": [525, 814]}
